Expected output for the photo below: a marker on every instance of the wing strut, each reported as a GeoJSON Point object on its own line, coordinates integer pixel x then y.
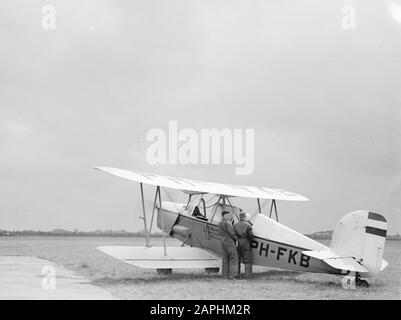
{"type": "Point", "coordinates": [147, 234]}
{"type": "Point", "coordinates": [160, 208]}
{"type": "Point", "coordinates": [273, 205]}
{"type": "Point", "coordinates": [157, 201]}
{"type": "Point", "coordinates": [153, 213]}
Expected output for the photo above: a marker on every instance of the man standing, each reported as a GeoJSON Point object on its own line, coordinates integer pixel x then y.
{"type": "Point", "coordinates": [243, 229]}
{"type": "Point", "coordinates": [228, 247]}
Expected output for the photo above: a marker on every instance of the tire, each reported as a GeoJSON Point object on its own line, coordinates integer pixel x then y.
{"type": "Point", "coordinates": [164, 272]}
{"type": "Point", "coordinates": [212, 270]}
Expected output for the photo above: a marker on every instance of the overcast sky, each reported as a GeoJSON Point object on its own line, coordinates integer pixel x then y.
{"type": "Point", "coordinates": [324, 103]}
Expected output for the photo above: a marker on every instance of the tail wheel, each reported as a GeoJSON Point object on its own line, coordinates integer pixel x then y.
{"type": "Point", "coordinates": [361, 283]}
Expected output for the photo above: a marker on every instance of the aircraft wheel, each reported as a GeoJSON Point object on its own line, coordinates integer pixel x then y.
{"type": "Point", "coordinates": [361, 283]}
{"type": "Point", "coordinates": [164, 272]}
{"type": "Point", "coordinates": [212, 270]}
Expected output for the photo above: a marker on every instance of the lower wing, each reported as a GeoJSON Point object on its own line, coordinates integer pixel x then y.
{"type": "Point", "coordinates": [154, 257]}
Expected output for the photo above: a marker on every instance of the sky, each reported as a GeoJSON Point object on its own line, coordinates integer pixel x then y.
{"type": "Point", "coordinates": [323, 101]}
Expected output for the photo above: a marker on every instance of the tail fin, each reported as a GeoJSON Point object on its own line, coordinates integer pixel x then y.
{"type": "Point", "coordinates": [361, 235]}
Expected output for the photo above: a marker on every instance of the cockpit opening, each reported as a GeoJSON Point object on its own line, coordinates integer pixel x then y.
{"type": "Point", "coordinates": [210, 209]}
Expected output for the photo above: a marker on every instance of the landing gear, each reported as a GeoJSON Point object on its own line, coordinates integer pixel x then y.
{"type": "Point", "coordinates": [212, 270]}
{"type": "Point", "coordinates": [361, 283]}
{"type": "Point", "coordinates": [164, 272]}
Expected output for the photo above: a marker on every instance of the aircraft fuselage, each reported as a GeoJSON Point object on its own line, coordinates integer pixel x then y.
{"type": "Point", "coordinates": [266, 251]}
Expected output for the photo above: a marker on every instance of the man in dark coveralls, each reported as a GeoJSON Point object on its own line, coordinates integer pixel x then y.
{"type": "Point", "coordinates": [228, 247]}
{"type": "Point", "coordinates": [243, 229]}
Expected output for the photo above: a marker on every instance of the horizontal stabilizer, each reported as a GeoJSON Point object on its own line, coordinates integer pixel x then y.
{"type": "Point", "coordinates": [154, 257]}
{"type": "Point", "coordinates": [337, 262]}
{"type": "Point", "coordinates": [347, 263]}
{"type": "Point", "coordinates": [321, 255]}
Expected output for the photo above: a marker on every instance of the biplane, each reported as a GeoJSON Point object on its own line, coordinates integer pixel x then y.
{"type": "Point", "coordinates": [356, 248]}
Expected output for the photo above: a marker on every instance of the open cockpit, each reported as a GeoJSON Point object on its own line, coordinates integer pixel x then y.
{"type": "Point", "coordinates": [209, 209]}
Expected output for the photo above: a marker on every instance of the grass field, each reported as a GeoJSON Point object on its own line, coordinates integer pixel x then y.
{"type": "Point", "coordinates": [127, 282]}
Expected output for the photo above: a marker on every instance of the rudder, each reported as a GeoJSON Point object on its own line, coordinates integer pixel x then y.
{"type": "Point", "coordinates": [361, 234]}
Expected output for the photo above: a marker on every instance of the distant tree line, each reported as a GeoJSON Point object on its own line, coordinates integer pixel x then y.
{"type": "Point", "coordinates": [327, 235]}
{"type": "Point", "coordinates": [75, 233]}
{"type": "Point", "coordinates": [321, 235]}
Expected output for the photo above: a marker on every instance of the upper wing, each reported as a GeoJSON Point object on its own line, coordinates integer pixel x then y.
{"type": "Point", "coordinates": [154, 258]}
{"type": "Point", "coordinates": [205, 187]}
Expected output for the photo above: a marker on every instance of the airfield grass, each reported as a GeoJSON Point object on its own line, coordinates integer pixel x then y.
{"type": "Point", "coordinates": [128, 282]}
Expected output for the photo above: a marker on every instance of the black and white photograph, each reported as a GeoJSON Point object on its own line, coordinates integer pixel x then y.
{"type": "Point", "coordinates": [175, 150]}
